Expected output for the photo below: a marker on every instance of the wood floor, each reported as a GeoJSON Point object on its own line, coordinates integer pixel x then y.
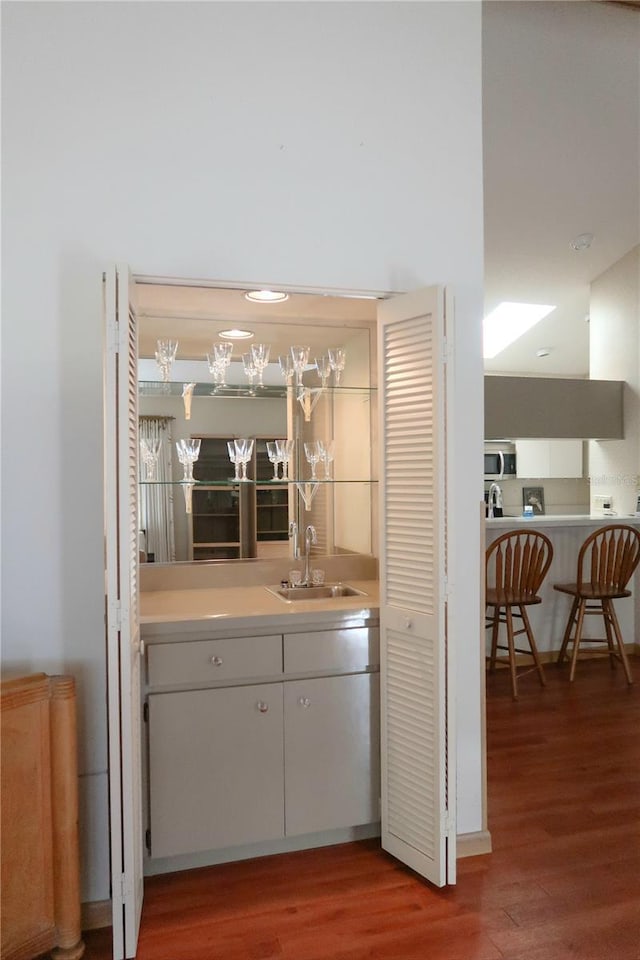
{"type": "Point", "coordinates": [563, 882]}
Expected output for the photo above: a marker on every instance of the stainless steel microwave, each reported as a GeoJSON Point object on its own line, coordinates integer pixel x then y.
{"type": "Point", "coordinates": [499, 461]}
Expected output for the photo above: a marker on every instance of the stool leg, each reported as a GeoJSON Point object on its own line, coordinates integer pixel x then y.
{"type": "Point", "coordinates": [532, 644]}
{"type": "Point", "coordinates": [494, 638]}
{"type": "Point", "coordinates": [608, 604]}
{"type": "Point", "coordinates": [567, 632]}
{"type": "Point", "coordinates": [608, 626]}
{"type": "Point", "coordinates": [512, 653]}
{"type": "Point", "coordinates": [577, 638]}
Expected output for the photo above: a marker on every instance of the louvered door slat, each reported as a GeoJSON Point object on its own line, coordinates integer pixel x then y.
{"type": "Point", "coordinates": [411, 571]}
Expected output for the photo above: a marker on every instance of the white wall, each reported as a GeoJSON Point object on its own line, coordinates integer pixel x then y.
{"type": "Point", "coordinates": [331, 144]}
{"type": "Point", "coordinates": [614, 345]}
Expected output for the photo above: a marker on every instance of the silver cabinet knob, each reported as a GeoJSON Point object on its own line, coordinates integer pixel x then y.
{"type": "Point", "coordinates": [304, 702]}
{"type": "Point", "coordinates": [262, 706]}
{"type": "Point", "coordinates": [216, 661]}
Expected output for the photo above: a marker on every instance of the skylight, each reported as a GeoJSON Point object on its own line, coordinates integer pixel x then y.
{"type": "Point", "coordinates": [508, 322]}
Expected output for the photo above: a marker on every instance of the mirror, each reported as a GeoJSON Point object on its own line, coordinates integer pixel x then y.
{"type": "Point", "coordinates": [218, 518]}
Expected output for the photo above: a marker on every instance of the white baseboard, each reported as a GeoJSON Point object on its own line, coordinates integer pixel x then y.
{"type": "Point", "coordinates": [473, 844]}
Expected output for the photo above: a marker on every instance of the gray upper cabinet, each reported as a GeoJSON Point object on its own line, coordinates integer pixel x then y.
{"type": "Point", "coordinates": [552, 407]}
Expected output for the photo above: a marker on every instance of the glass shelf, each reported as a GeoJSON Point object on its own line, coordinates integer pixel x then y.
{"type": "Point", "coordinates": [241, 483]}
{"type": "Point", "coordinates": [157, 388]}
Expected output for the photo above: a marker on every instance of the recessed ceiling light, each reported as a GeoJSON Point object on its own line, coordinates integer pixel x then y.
{"type": "Point", "coordinates": [266, 296]}
{"type": "Point", "coordinates": [582, 242]}
{"type": "Point", "coordinates": [508, 322]}
{"type": "Point", "coordinates": [235, 334]}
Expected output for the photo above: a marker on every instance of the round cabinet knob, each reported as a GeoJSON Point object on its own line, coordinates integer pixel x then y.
{"type": "Point", "coordinates": [216, 661]}
{"type": "Point", "coordinates": [408, 623]}
{"type": "Point", "coordinates": [304, 702]}
{"type": "Point", "coordinates": [262, 706]}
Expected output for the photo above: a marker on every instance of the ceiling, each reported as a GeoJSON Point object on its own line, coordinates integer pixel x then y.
{"type": "Point", "coordinates": [561, 110]}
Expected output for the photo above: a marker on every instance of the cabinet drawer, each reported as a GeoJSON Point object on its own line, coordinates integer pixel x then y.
{"type": "Point", "coordinates": [205, 661]}
{"type": "Point", "coordinates": [348, 650]}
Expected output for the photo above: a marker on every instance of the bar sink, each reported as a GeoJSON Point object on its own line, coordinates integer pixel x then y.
{"type": "Point", "coordinates": [325, 592]}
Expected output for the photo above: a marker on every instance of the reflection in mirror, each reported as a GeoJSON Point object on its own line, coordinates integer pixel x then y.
{"type": "Point", "coordinates": [236, 520]}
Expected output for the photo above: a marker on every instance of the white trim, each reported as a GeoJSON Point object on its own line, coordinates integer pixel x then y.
{"type": "Point", "coordinates": [285, 287]}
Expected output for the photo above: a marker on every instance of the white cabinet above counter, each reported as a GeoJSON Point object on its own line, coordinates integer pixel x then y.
{"type": "Point", "coordinates": [549, 458]}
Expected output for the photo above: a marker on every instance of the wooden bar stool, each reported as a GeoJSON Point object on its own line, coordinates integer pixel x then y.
{"type": "Point", "coordinates": [606, 563]}
{"type": "Point", "coordinates": [516, 564]}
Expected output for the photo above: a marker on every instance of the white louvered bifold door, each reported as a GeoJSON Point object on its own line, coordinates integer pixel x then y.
{"type": "Point", "coordinates": [416, 826]}
{"type": "Point", "coordinates": [123, 630]}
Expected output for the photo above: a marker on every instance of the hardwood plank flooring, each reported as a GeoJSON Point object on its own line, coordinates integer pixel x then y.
{"type": "Point", "coordinates": [563, 882]}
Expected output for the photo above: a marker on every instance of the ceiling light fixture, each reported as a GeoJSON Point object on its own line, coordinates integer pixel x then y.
{"type": "Point", "coordinates": [266, 296]}
{"type": "Point", "coordinates": [582, 242]}
{"type": "Point", "coordinates": [508, 322]}
{"type": "Point", "coordinates": [235, 334]}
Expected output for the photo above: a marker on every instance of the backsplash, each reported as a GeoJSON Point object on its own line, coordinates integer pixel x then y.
{"type": "Point", "coordinates": [561, 497]}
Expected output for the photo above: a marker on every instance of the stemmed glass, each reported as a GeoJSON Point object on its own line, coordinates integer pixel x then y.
{"type": "Point", "coordinates": [165, 355]}
{"type": "Point", "coordinates": [300, 357]}
{"type": "Point", "coordinates": [285, 450]}
{"type": "Point", "coordinates": [260, 354]}
{"type": "Point", "coordinates": [250, 369]}
{"type": "Point", "coordinates": [337, 360]}
{"type": "Point", "coordinates": [150, 451]}
{"type": "Point", "coordinates": [274, 457]}
{"type": "Point", "coordinates": [188, 453]}
{"type": "Point", "coordinates": [244, 451]}
{"type": "Point", "coordinates": [323, 366]}
{"type": "Point", "coordinates": [327, 453]}
{"type": "Point", "coordinates": [312, 453]}
{"type": "Point", "coordinates": [286, 368]}
{"type": "Point", "coordinates": [234, 460]}
{"type": "Point", "coordinates": [219, 359]}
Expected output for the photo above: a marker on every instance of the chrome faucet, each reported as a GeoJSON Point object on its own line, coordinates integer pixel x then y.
{"type": "Point", "coordinates": [310, 537]}
{"type": "Point", "coordinates": [494, 500]}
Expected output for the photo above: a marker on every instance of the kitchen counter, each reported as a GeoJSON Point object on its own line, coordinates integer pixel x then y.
{"type": "Point", "coordinates": [244, 604]}
{"type": "Point", "coordinates": [559, 520]}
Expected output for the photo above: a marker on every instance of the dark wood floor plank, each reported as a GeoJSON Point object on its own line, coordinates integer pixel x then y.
{"type": "Point", "coordinates": [562, 884]}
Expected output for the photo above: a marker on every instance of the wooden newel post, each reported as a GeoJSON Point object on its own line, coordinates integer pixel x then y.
{"type": "Point", "coordinates": [64, 795]}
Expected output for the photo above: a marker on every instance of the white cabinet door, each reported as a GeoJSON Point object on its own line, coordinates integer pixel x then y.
{"type": "Point", "coordinates": [416, 542]}
{"type": "Point", "coordinates": [332, 765]}
{"type": "Point", "coordinates": [123, 629]}
{"type": "Point", "coordinates": [215, 768]}
{"type": "Point", "coordinates": [548, 458]}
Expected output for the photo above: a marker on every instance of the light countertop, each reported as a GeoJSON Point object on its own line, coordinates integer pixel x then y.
{"type": "Point", "coordinates": [561, 520]}
{"type": "Point", "coordinates": [248, 602]}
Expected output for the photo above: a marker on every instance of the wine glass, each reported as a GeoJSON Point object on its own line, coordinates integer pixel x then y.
{"type": "Point", "coordinates": [234, 460]}
{"type": "Point", "coordinates": [274, 457]}
{"type": "Point", "coordinates": [337, 360]}
{"type": "Point", "coordinates": [285, 450]}
{"type": "Point", "coordinates": [150, 451]}
{"type": "Point", "coordinates": [188, 453]}
{"type": "Point", "coordinates": [286, 368]}
{"type": "Point", "coordinates": [323, 366]}
{"type": "Point", "coordinates": [260, 354]}
{"type": "Point", "coordinates": [217, 370]}
{"type": "Point", "coordinates": [165, 355]}
{"type": "Point", "coordinates": [250, 369]}
{"type": "Point", "coordinates": [300, 357]}
{"type": "Point", "coordinates": [312, 453]}
{"type": "Point", "coordinates": [244, 451]}
{"type": "Point", "coordinates": [327, 454]}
